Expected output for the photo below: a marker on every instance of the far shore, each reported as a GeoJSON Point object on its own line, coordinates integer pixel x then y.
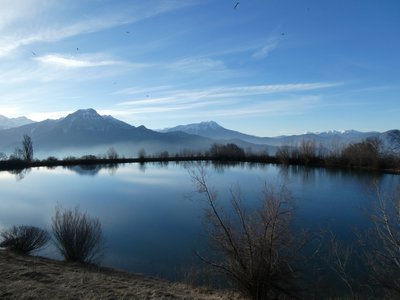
{"type": "Point", "coordinates": [18, 164]}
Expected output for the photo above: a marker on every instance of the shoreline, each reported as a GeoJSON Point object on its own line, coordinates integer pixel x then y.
{"type": "Point", "coordinates": [34, 277]}
{"type": "Point", "coordinates": [8, 165]}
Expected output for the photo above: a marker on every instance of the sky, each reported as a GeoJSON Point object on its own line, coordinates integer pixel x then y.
{"type": "Point", "coordinates": [262, 67]}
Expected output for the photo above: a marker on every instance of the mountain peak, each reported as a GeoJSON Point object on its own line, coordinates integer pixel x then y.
{"type": "Point", "coordinates": [84, 114]}
{"type": "Point", "coordinates": [195, 128]}
{"type": "Point", "coordinates": [89, 112]}
{"type": "Point", "coordinates": [210, 124]}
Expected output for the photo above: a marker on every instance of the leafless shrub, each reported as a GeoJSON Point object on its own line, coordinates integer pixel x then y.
{"type": "Point", "coordinates": [112, 153]}
{"type": "Point", "coordinates": [381, 244]}
{"type": "Point", "coordinates": [283, 154]}
{"type": "Point", "coordinates": [77, 236]}
{"type": "Point", "coordinates": [257, 250]}
{"type": "Point", "coordinates": [307, 151]}
{"type": "Point", "coordinates": [340, 259]}
{"type": "Point", "coordinates": [24, 239]}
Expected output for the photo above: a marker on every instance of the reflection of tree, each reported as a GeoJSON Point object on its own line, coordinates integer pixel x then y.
{"type": "Point", "coordinates": [142, 167]}
{"type": "Point", "coordinates": [19, 173]}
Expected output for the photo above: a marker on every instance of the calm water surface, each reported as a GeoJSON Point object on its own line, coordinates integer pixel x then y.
{"type": "Point", "coordinates": [152, 218]}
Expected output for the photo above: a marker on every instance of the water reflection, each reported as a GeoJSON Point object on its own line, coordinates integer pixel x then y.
{"type": "Point", "coordinates": [93, 169]}
{"type": "Point", "coordinates": [20, 173]}
{"type": "Point", "coordinates": [149, 225]}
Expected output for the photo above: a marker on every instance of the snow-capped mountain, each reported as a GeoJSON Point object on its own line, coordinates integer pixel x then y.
{"type": "Point", "coordinates": [92, 133]}
{"type": "Point", "coordinates": [326, 139]}
{"type": "Point", "coordinates": [6, 123]}
{"type": "Point", "coordinates": [209, 129]}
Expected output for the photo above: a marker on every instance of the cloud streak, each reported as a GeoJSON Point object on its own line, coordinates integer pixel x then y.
{"type": "Point", "coordinates": [266, 50]}
{"type": "Point", "coordinates": [13, 35]}
{"type": "Point", "coordinates": [223, 92]}
{"type": "Point", "coordinates": [226, 101]}
{"type": "Point", "coordinates": [74, 62]}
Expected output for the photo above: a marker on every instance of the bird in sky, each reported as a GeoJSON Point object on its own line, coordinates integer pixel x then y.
{"type": "Point", "coordinates": [236, 5]}
{"type": "Point", "coordinates": [33, 53]}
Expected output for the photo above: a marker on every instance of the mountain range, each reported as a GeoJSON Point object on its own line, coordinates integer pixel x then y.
{"type": "Point", "coordinates": [87, 132]}
{"type": "Point", "coordinates": [6, 123]}
{"type": "Point", "coordinates": [328, 139]}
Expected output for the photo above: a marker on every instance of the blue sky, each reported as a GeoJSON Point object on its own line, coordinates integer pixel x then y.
{"type": "Point", "coordinates": [266, 67]}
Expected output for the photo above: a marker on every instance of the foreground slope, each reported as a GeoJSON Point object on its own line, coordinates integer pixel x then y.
{"type": "Point", "coordinates": [28, 277]}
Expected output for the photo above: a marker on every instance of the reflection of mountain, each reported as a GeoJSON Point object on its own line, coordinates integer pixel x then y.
{"type": "Point", "coordinates": [87, 131]}
{"type": "Point", "coordinates": [92, 170]}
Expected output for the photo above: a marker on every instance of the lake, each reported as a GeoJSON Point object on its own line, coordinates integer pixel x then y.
{"type": "Point", "coordinates": [152, 217]}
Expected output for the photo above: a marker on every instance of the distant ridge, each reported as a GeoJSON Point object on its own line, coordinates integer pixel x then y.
{"type": "Point", "coordinates": [327, 139]}
{"type": "Point", "coordinates": [6, 123]}
{"type": "Point", "coordinates": [87, 132]}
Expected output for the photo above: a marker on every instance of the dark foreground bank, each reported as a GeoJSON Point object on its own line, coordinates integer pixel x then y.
{"type": "Point", "coordinates": [30, 277]}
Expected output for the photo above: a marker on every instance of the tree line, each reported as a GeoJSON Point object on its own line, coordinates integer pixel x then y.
{"type": "Point", "coordinates": [367, 154]}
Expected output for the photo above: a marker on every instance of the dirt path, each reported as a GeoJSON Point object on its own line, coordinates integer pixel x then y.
{"type": "Point", "coordinates": [29, 277]}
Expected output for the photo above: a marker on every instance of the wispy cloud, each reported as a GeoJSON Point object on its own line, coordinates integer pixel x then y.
{"type": "Point", "coordinates": [198, 64]}
{"type": "Point", "coordinates": [136, 90]}
{"type": "Point", "coordinates": [266, 49]}
{"type": "Point", "coordinates": [272, 108]}
{"type": "Point", "coordinates": [224, 109]}
{"type": "Point", "coordinates": [77, 62]}
{"type": "Point", "coordinates": [15, 35]}
{"type": "Point", "coordinates": [223, 92]}
{"type": "Point", "coordinates": [226, 102]}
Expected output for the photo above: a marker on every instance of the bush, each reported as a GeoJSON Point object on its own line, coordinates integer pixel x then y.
{"type": "Point", "coordinates": [257, 250]}
{"type": "Point", "coordinates": [24, 239]}
{"type": "Point", "coordinates": [228, 151]}
{"type": "Point", "coordinates": [77, 236]}
{"type": "Point", "coordinates": [381, 244]}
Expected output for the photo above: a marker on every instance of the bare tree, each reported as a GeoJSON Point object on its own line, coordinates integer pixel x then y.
{"type": "Point", "coordinates": [308, 151]}
{"type": "Point", "coordinates": [363, 154]}
{"type": "Point", "coordinates": [283, 154]}
{"type": "Point", "coordinates": [382, 242]}
{"type": "Point", "coordinates": [3, 156]}
{"type": "Point", "coordinates": [27, 148]}
{"type": "Point", "coordinates": [340, 259]}
{"type": "Point", "coordinates": [112, 153]}
{"type": "Point", "coordinates": [142, 154]}
{"type": "Point", "coordinates": [257, 251]}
